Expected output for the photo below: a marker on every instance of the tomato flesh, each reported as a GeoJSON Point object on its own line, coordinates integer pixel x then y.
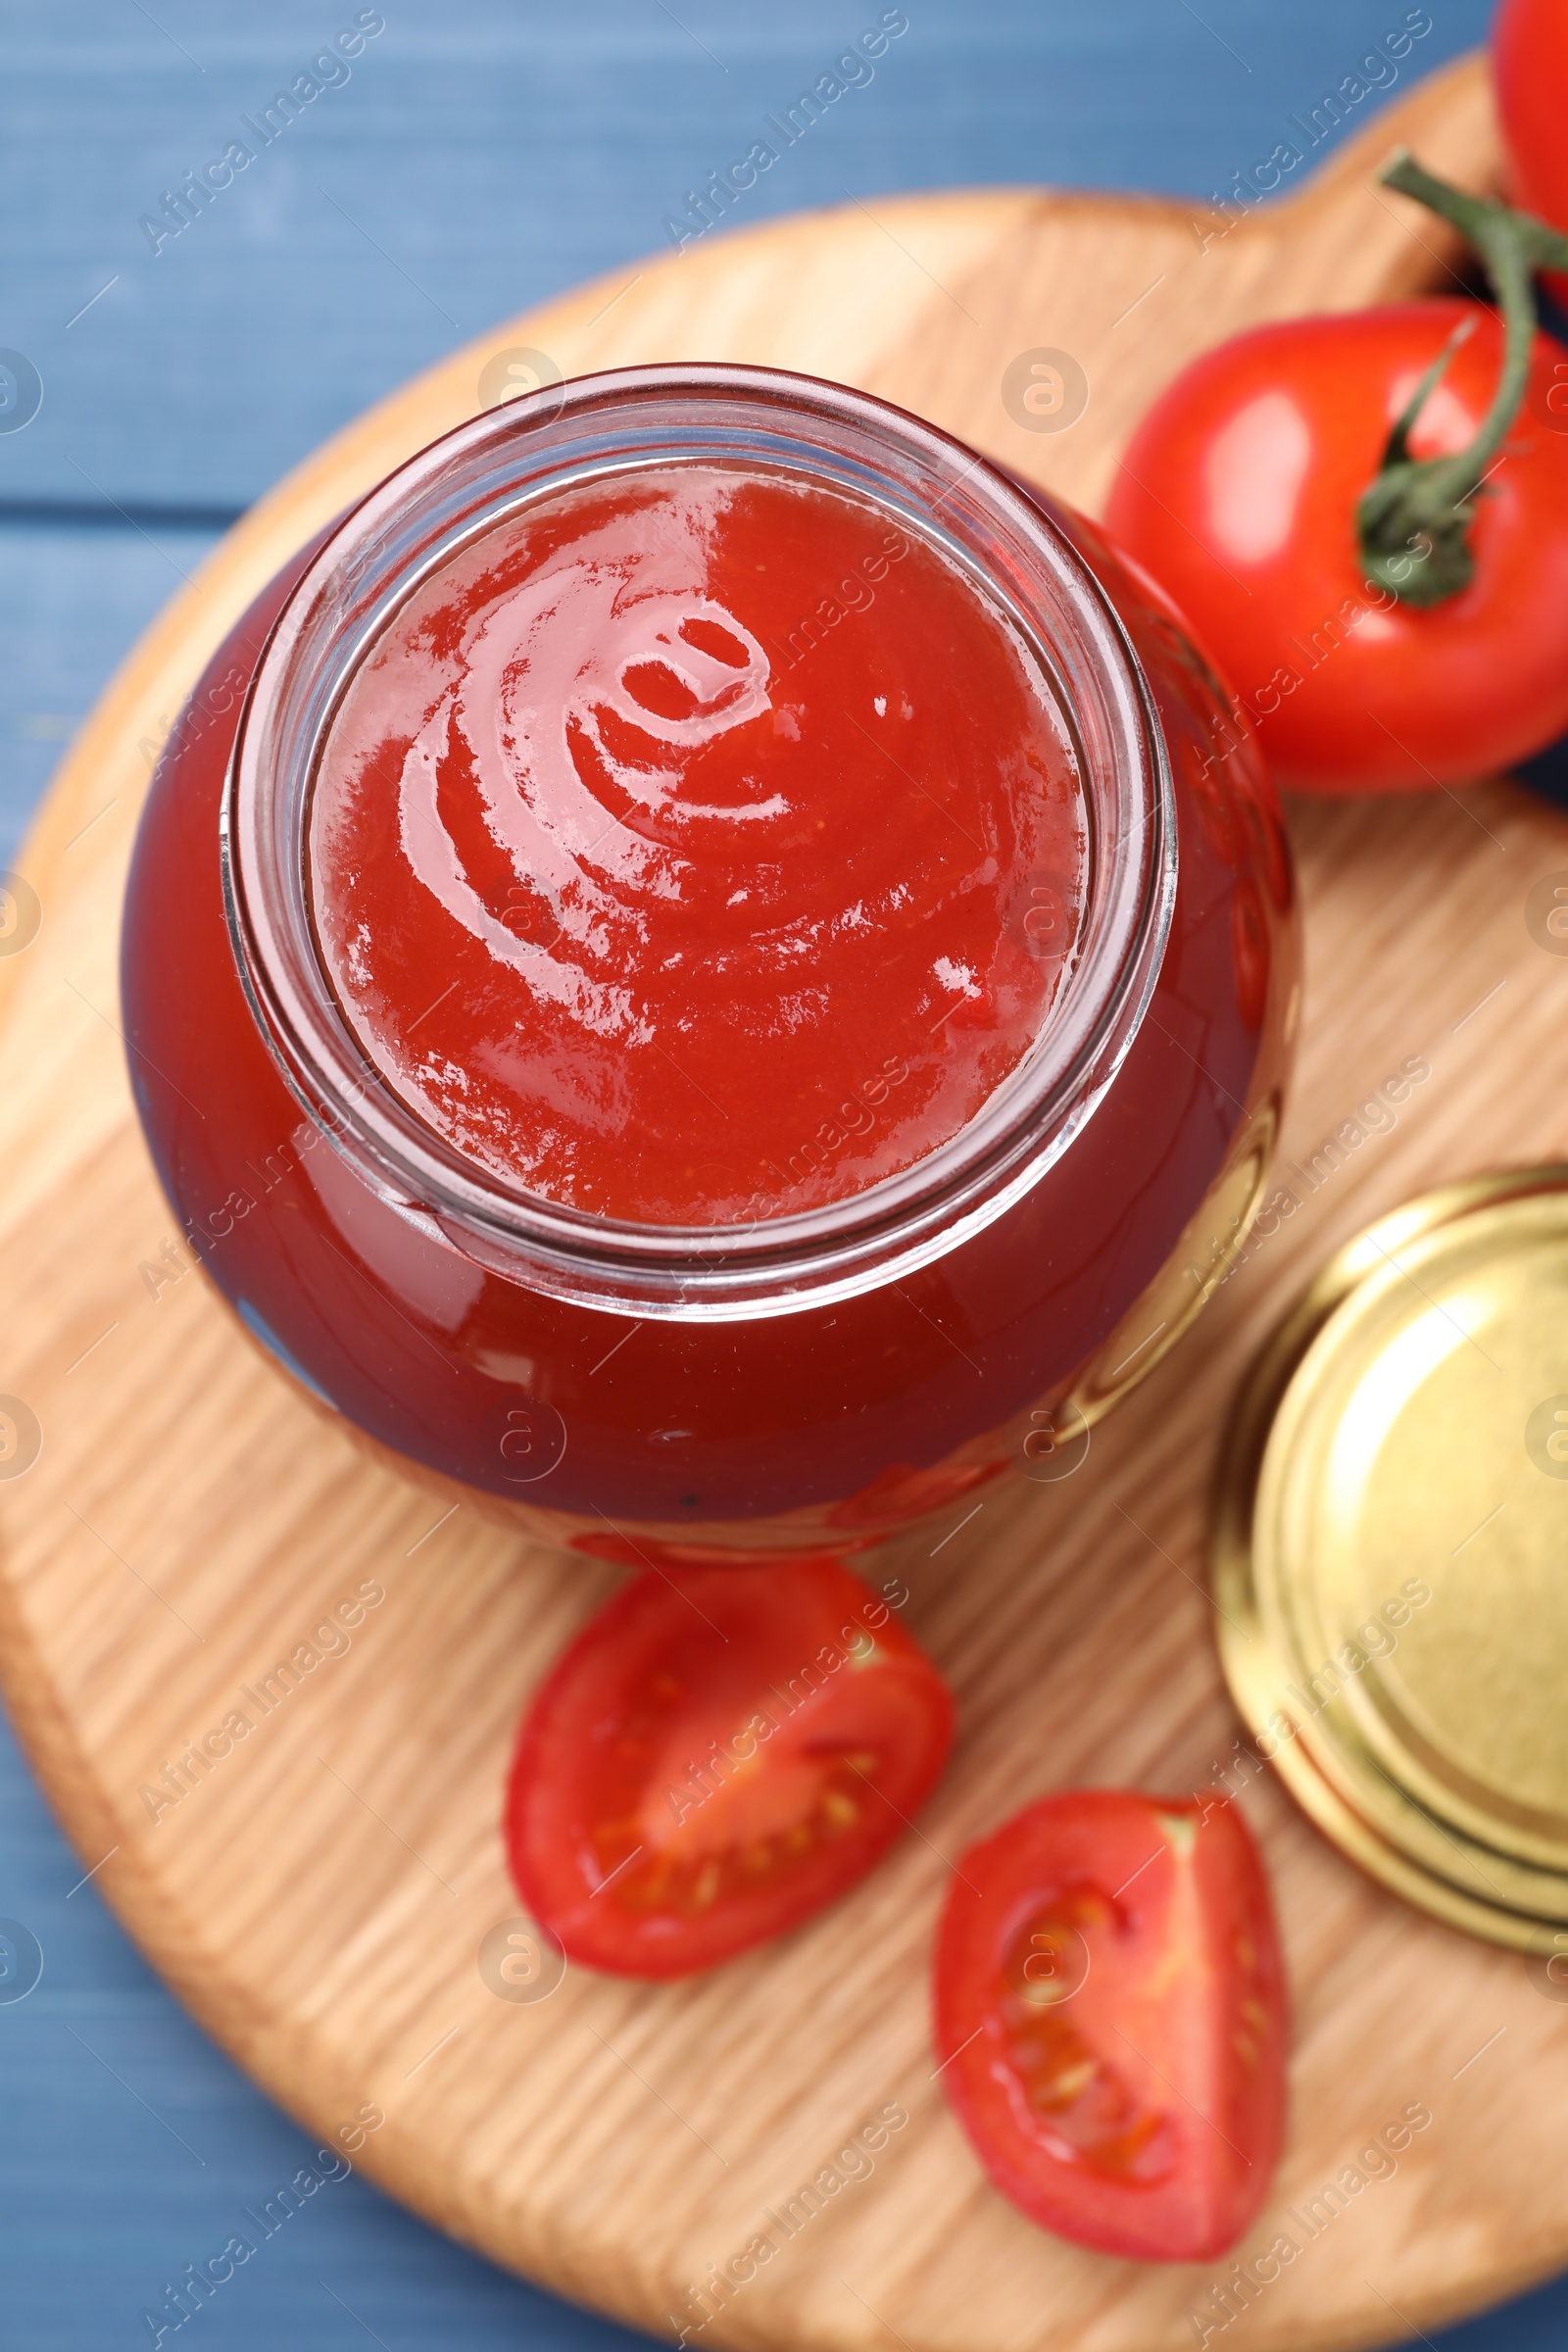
{"type": "Point", "coordinates": [1238, 490]}
{"type": "Point", "coordinates": [1110, 2020]}
{"type": "Point", "coordinates": [716, 1755]}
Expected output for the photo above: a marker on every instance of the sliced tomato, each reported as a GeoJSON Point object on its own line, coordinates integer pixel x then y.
{"type": "Point", "coordinates": [717, 1754]}
{"type": "Point", "coordinates": [1110, 2020]}
{"type": "Point", "coordinates": [1238, 493]}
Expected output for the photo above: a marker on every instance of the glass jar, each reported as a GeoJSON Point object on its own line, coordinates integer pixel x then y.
{"type": "Point", "coordinates": [816, 1382]}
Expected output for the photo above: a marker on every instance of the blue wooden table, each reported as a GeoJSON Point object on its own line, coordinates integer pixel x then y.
{"type": "Point", "coordinates": [469, 157]}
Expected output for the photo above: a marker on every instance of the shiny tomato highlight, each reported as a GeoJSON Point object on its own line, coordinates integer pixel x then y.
{"type": "Point", "coordinates": [1110, 2020]}
{"type": "Point", "coordinates": [1239, 491]}
{"type": "Point", "coordinates": [717, 1754]}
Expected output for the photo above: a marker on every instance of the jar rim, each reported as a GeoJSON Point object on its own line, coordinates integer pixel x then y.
{"type": "Point", "coordinates": [531, 448]}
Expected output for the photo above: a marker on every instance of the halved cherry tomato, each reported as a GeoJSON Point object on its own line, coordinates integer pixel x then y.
{"type": "Point", "coordinates": [1110, 2020]}
{"type": "Point", "coordinates": [1239, 491]}
{"type": "Point", "coordinates": [717, 1754]}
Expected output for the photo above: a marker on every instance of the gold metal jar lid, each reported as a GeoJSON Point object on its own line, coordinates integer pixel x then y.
{"type": "Point", "coordinates": [1390, 1554]}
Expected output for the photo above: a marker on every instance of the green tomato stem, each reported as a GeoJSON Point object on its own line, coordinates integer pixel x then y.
{"type": "Point", "coordinates": [1413, 521]}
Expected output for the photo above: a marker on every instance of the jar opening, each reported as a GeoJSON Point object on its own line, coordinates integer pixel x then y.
{"type": "Point", "coordinates": [723, 420]}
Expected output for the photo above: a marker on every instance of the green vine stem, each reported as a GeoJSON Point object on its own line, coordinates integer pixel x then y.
{"type": "Point", "coordinates": [1413, 521]}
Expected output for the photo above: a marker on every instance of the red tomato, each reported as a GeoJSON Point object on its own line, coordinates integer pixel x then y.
{"type": "Point", "coordinates": [1530, 69]}
{"type": "Point", "coordinates": [717, 1754]}
{"type": "Point", "coordinates": [1110, 2018]}
{"type": "Point", "coordinates": [1238, 492]}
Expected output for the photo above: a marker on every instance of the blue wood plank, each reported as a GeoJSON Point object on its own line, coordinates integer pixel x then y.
{"type": "Point", "coordinates": [483, 155]}
{"type": "Point", "coordinates": [487, 153]}
{"type": "Point", "coordinates": [74, 598]}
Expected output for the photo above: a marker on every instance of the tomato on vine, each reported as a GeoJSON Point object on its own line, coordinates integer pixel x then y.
{"type": "Point", "coordinates": [1365, 518]}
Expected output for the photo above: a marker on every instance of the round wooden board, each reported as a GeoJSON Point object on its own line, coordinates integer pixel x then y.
{"type": "Point", "coordinates": [319, 1898]}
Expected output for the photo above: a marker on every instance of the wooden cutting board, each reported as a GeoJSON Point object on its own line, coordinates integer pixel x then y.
{"type": "Point", "coordinates": [320, 1896]}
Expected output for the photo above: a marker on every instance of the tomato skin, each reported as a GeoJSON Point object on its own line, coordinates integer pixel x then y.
{"type": "Point", "coordinates": [1167, 2151]}
{"type": "Point", "coordinates": [644, 1855]}
{"type": "Point", "coordinates": [1529, 75]}
{"type": "Point", "coordinates": [1238, 492]}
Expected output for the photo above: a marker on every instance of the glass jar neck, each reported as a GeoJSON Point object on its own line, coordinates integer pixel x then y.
{"type": "Point", "coordinates": [529, 451]}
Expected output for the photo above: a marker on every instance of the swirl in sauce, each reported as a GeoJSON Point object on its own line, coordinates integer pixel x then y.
{"type": "Point", "coordinates": [696, 846]}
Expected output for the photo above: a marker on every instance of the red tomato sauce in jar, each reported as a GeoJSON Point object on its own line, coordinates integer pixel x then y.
{"type": "Point", "coordinates": [679, 910]}
{"type": "Point", "coordinates": [541, 1156]}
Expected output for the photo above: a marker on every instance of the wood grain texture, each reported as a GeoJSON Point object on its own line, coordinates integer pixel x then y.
{"type": "Point", "coordinates": [319, 1897]}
